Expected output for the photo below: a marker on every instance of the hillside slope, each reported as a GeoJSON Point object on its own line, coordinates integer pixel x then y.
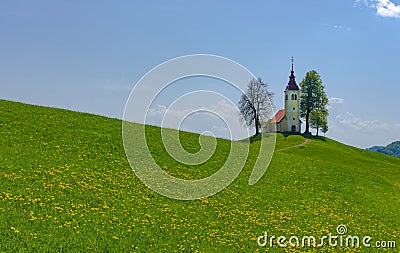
{"type": "Point", "coordinates": [65, 185]}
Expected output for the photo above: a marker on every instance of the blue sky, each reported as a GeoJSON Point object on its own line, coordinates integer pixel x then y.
{"type": "Point", "coordinates": [87, 55]}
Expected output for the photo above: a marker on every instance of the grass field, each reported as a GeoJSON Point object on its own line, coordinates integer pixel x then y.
{"type": "Point", "coordinates": [66, 186]}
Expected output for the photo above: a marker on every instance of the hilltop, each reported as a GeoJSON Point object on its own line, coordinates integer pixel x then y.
{"type": "Point", "coordinates": [66, 185]}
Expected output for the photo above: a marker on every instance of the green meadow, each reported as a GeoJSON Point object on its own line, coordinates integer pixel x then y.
{"type": "Point", "coordinates": [66, 186]}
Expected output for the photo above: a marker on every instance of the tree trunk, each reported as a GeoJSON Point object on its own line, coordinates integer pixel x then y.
{"type": "Point", "coordinates": [307, 122]}
{"type": "Point", "coordinates": [317, 130]}
{"type": "Point", "coordinates": [256, 119]}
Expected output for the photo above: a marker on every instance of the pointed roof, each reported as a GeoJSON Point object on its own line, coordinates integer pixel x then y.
{"type": "Point", "coordinates": [292, 81]}
{"type": "Point", "coordinates": [278, 116]}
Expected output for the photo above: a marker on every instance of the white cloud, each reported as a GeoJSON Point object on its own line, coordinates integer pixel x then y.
{"type": "Point", "coordinates": [369, 3]}
{"type": "Point", "coordinates": [220, 128]}
{"type": "Point", "coordinates": [339, 27]}
{"type": "Point", "coordinates": [222, 108]}
{"type": "Point", "coordinates": [333, 100]}
{"type": "Point", "coordinates": [157, 110]}
{"type": "Point", "coordinates": [360, 132]}
{"type": "Point", "coordinates": [350, 120]}
{"type": "Point", "coordinates": [384, 8]}
{"type": "Point", "coordinates": [228, 126]}
{"type": "Point", "coordinates": [113, 85]}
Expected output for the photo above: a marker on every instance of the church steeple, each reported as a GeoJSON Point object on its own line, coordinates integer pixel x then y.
{"type": "Point", "coordinates": [288, 120]}
{"type": "Point", "coordinates": [292, 85]}
{"type": "Point", "coordinates": [292, 64]}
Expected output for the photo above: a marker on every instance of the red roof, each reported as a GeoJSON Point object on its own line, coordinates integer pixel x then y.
{"type": "Point", "coordinates": [278, 116]}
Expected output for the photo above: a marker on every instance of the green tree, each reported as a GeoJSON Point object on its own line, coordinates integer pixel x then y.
{"type": "Point", "coordinates": [256, 103]}
{"type": "Point", "coordinates": [312, 96]}
{"type": "Point", "coordinates": [319, 119]}
{"type": "Point", "coordinates": [324, 129]}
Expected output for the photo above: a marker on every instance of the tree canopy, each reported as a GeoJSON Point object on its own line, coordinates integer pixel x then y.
{"type": "Point", "coordinates": [313, 100]}
{"type": "Point", "coordinates": [319, 120]}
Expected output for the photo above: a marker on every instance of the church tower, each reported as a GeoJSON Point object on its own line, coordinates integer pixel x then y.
{"type": "Point", "coordinates": [292, 105]}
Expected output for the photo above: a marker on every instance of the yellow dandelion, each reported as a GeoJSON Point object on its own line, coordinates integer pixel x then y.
{"type": "Point", "coordinates": [15, 230]}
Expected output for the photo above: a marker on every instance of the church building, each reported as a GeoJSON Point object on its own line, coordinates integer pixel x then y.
{"type": "Point", "coordinates": [288, 120]}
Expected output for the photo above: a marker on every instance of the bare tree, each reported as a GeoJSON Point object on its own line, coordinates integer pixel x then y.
{"type": "Point", "coordinates": [256, 104]}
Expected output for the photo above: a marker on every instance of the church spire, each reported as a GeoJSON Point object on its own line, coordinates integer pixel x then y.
{"type": "Point", "coordinates": [292, 64]}
{"type": "Point", "coordinates": [292, 80]}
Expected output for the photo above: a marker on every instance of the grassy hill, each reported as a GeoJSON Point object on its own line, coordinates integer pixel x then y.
{"type": "Point", "coordinates": [65, 185]}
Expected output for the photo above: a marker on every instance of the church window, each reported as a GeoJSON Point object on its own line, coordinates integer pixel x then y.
{"type": "Point", "coordinates": [286, 97]}
{"type": "Point", "coordinates": [294, 108]}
